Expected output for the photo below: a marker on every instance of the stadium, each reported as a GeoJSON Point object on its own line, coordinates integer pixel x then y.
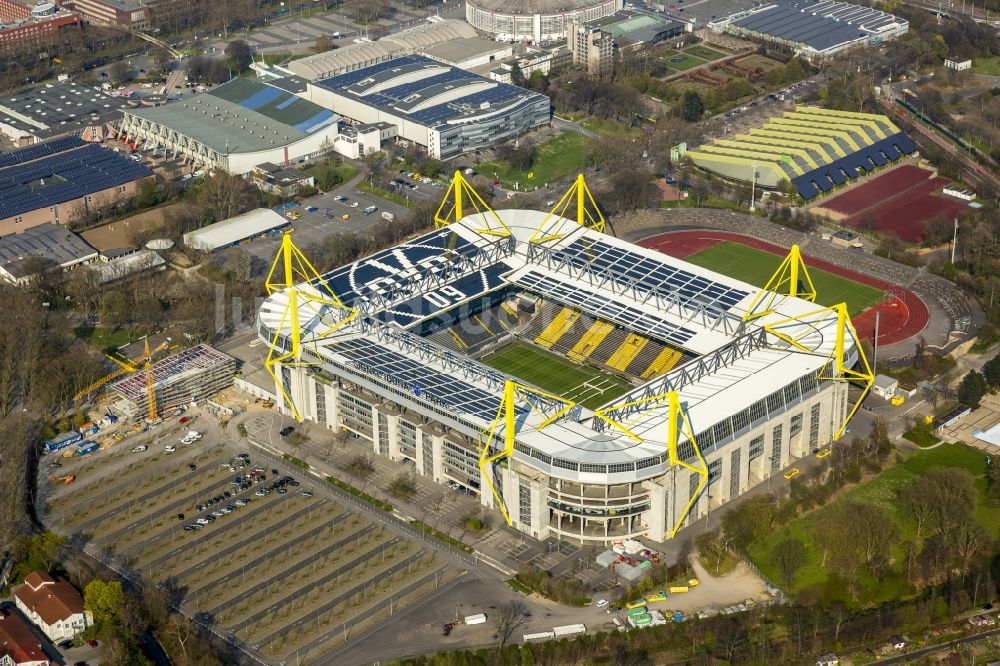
{"type": "Point", "coordinates": [589, 389]}
{"type": "Point", "coordinates": [815, 150]}
{"type": "Point", "coordinates": [534, 20]}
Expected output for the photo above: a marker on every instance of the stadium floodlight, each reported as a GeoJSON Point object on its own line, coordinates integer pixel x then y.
{"type": "Point", "coordinates": [292, 274]}
{"type": "Point", "coordinates": [792, 278]}
{"type": "Point", "coordinates": [592, 217]}
{"type": "Point", "coordinates": [677, 425]}
{"type": "Point", "coordinates": [460, 193]}
{"type": "Point", "coordinates": [804, 333]}
{"type": "Point", "coordinates": [512, 419]}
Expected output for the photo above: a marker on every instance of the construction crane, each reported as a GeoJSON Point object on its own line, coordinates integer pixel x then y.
{"type": "Point", "coordinates": [126, 366]}
{"type": "Point", "coordinates": [150, 389]}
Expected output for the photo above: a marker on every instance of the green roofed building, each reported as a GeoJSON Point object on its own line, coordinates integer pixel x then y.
{"type": "Point", "coordinates": [816, 150]}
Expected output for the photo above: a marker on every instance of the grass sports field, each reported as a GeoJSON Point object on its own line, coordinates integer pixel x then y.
{"type": "Point", "coordinates": [757, 266]}
{"type": "Point", "coordinates": [556, 374]}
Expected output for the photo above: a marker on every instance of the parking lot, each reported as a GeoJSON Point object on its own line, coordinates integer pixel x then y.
{"type": "Point", "coordinates": [272, 559]}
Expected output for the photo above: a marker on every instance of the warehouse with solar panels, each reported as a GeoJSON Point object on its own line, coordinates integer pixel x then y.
{"type": "Point", "coordinates": [62, 181]}
{"type": "Point", "coordinates": [410, 374]}
{"type": "Point", "coordinates": [816, 150]}
{"type": "Point", "coordinates": [446, 110]}
{"type": "Point", "coordinates": [235, 127]}
{"type": "Point", "coordinates": [816, 30]}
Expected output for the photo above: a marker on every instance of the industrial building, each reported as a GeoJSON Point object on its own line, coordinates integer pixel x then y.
{"type": "Point", "coordinates": [450, 41]}
{"type": "Point", "coordinates": [447, 110]}
{"type": "Point", "coordinates": [814, 149]}
{"type": "Point", "coordinates": [188, 376]}
{"type": "Point", "coordinates": [32, 25]}
{"type": "Point", "coordinates": [535, 21]}
{"type": "Point", "coordinates": [816, 30]}
{"type": "Point", "coordinates": [235, 230]}
{"type": "Point", "coordinates": [57, 109]}
{"type": "Point", "coordinates": [62, 181]}
{"type": "Point", "coordinates": [236, 126]}
{"type": "Point", "coordinates": [128, 266]}
{"type": "Point", "coordinates": [727, 384]}
{"type": "Point", "coordinates": [47, 245]}
{"type": "Point", "coordinates": [634, 28]}
{"type": "Point", "coordinates": [129, 14]}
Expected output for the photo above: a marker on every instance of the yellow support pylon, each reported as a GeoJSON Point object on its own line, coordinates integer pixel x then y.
{"type": "Point", "coordinates": [677, 424]}
{"type": "Point", "coordinates": [150, 384]}
{"type": "Point", "coordinates": [590, 217]}
{"type": "Point", "coordinates": [290, 269]}
{"type": "Point", "coordinates": [784, 281]}
{"type": "Point", "coordinates": [462, 197]}
{"type": "Point", "coordinates": [506, 414]}
{"type": "Point", "coordinates": [840, 372]}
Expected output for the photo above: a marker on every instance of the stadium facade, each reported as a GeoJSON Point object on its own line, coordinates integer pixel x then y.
{"type": "Point", "coordinates": [815, 30]}
{"type": "Point", "coordinates": [725, 384]}
{"type": "Point", "coordinates": [446, 110]}
{"type": "Point", "coordinates": [815, 150]}
{"type": "Point", "coordinates": [535, 21]}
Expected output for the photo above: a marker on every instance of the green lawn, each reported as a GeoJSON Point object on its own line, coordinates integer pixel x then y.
{"type": "Point", "coordinates": [105, 339]}
{"type": "Point", "coordinates": [989, 66]}
{"type": "Point", "coordinates": [684, 61]}
{"type": "Point", "coordinates": [882, 490]}
{"type": "Point", "coordinates": [556, 374]}
{"type": "Point", "coordinates": [555, 158]}
{"type": "Point", "coordinates": [610, 128]}
{"type": "Point", "coordinates": [757, 266]}
{"type": "Point", "coordinates": [706, 53]}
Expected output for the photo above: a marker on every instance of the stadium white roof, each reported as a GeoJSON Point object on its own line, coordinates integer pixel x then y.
{"type": "Point", "coordinates": [738, 368]}
{"type": "Point", "coordinates": [235, 229]}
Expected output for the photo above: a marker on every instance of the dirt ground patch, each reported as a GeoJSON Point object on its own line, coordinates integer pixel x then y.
{"type": "Point", "coordinates": [119, 233]}
{"type": "Point", "coordinates": [716, 593]}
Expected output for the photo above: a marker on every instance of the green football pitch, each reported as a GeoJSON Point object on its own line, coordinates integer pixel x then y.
{"type": "Point", "coordinates": [556, 374]}
{"type": "Point", "coordinates": [757, 266]}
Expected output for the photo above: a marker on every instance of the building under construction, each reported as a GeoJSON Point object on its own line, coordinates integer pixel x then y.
{"type": "Point", "coordinates": [191, 375]}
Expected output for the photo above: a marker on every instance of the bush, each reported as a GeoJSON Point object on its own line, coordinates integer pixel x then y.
{"type": "Point", "coordinates": [385, 506]}
{"type": "Point", "coordinates": [441, 536]}
{"type": "Point", "coordinates": [295, 461]}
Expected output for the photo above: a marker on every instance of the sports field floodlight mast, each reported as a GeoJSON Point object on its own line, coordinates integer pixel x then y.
{"type": "Point", "coordinates": [791, 278]}
{"type": "Point", "coordinates": [460, 200]}
{"type": "Point", "coordinates": [518, 401]}
{"type": "Point", "coordinates": [677, 426]}
{"type": "Point", "coordinates": [289, 271]}
{"type": "Point", "coordinates": [576, 204]}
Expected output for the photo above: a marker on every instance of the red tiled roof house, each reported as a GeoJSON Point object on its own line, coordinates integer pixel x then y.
{"type": "Point", "coordinates": [19, 645]}
{"type": "Point", "coordinates": [54, 605]}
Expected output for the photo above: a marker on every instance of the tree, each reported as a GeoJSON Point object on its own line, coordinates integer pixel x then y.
{"type": "Point", "coordinates": [118, 71]}
{"type": "Point", "coordinates": [509, 616]}
{"type": "Point", "coordinates": [972, 389]}
{"type": "Point", "coordinates": [991, 371]}
{"type": "Point", "coordinates": [240, 54]}
{"type": "Point", "coordinates": [323, 44]}
{"type": "Point", "coordinates": [104, 600]}
{"type": "Point", "coordinates": [789, 556]}
{"type": "Point", "coordinates": [516, 75]}
{"type": "Point", "coordinates": [692, 107]}
{"type": "Point", "coordinates": [713, 548]}
{"type": "Point", "coordinates": [750, 520]}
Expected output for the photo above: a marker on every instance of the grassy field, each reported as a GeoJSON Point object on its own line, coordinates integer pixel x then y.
{"type": "Point", "coordinates": [756, 267]}
{"type": "Point", "coordinates": [559, 156]}
{"type": "Point", "coordinates": [106, 339]}
{"type": "Point", "coordinates": [556, 374]}
{"type": "Point", "coordinates": [754, 61]}
{"type": "Point", "coordinates": [684, 61]}
{"type": "Point", "coordinates": [989, 66]}
{"type": "Point", "coordinates": [610, 128]}
{"type": "Point", "coordinates": [705, 53]}
{"type": "Point", "coordinates": [882, 490]}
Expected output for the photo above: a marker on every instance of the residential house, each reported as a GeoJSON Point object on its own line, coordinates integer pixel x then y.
{"type": "Point", "coordinates": [19, 646]}
{"type": "Point", "coordinates": [55, 606]}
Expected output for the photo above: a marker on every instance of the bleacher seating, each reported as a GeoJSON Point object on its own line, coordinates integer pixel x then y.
{"type": "Point", "coordinates": [557, 327]}
{"type": "Point", "coordinates": [590, 340]}
{"type": "Point", "coordinates": [664, 362]}
{"type": "Point", "coordinates": [627, 351]}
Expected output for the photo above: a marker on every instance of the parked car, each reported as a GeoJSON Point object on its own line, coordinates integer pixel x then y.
{"type": "Point", "coordinates": [140, 448]}
{"type": "Point", "coordinates": [169, 448]}
{"type": "Point", "coordinates": [286, 431]}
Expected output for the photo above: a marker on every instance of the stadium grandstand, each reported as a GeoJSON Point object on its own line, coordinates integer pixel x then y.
{"type": "Point", "coordinates": [816, 30]}
{"type": "Point", "coordinates": [447, 110]}
{"type": "Point", "coordinates": [235, 127]}
{"type": "Point", "coordinates": [589, 389]}
{"type": "Point", "coordinates": [814, 149]}
{"type": "Point", "coordinates": [62, 181]}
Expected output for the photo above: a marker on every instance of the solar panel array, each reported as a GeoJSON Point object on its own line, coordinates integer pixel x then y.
{"type": "Point", "coordinates": [350, 78]}
{"type": "Point", "coordinates": [37, 150]}
{"type": "Point", "coordinates": [604, 307]}
{"type": "Point", "coordinates": [820, 25]}
{"type": "Point", "coordinates": [649, 274]}
{"type": "Point", "coordinates": [864, 161]}
{"type": "Point", "coordinates": [445, 297]}
{"type": "Point", "coordinates": [62, 177]}
{"type": "Point", "coordinates": [422, 381]}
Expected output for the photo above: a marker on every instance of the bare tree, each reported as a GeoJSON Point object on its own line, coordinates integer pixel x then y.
{"type": "Point", "coordinates": [510, 616]}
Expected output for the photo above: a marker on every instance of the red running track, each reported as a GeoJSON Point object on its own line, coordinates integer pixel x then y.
{"type": "Point", "coordinates": [900, 318]}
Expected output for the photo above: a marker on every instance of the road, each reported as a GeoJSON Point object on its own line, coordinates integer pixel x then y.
{"type": "Point", "coordinates": [910, 657]}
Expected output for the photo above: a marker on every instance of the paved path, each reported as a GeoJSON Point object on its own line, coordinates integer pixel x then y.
{"type": "Point", "coordinates": [911, 657]}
